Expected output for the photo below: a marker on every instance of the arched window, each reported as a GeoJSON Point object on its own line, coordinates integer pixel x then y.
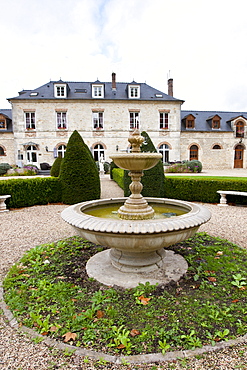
{"type": "Point", "coordinates": [98, 152]}
{"type": "Point", "coordinates": [193, 152]}
{"type": "Point", "coordinates": [1, 150]}
{"type": "Point", "coordinates": [240, 129]}
{"type": "Point", "coordinates": [164, 150]}
{"type": "Point", "coordinates": [216, 146]}
{"type": "Point", "coordinates": [61, 150]}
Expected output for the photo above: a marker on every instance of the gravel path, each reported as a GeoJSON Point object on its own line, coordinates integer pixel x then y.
{"type": "Point", "coordinates": [25, 228]}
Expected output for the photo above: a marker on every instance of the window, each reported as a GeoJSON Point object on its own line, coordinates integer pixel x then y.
{"type": "Point", "coordinates": [30, 120]}
{"type": "Point", "coordinates": [215, 124]}
{"type": "Point", "coordinates": [61, 150]}
{"type": "Point", "coordinates": [134, 120]}
{"type": "Point", "coordinates": [134, 92]}
{"type": "Point", "coordinates": [164, 150]}
{"type": "Point", "coordinates": [193, 152]}
{"type": "Point", "coordinates": [1, 151]}
{"type": "Point", "coordinates": [240, 129]}
{"type": "Point", "coordinates": [60, 91]}
{"type": "Point", "coordinates": [97, 91]}
{"type": "Point", "coordinates": [163, 121]}
{"type": "Point", "coordinates": [98, 152]}
{"type": "Point", "coordinates": [61, 120]}
{"type": "Point", "coordinates": [3, 125]}
{"type": "Point", "coordinates": [190, 123]}
{"type": "Point", "coordinates": [216, 146]}
{"type": "Point", "coordinates": [98, 123]}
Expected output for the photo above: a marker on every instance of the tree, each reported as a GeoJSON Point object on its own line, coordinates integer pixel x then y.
{"type": "Point", "coordinates": [79, 175]}
{"type": "Point", "coordinates": [153, 179]}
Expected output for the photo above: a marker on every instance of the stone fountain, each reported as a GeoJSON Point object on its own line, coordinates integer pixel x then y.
{"type": "Point", "coordinates": [137, 240]}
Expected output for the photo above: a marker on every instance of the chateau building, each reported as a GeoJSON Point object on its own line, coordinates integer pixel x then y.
{"type": "Point", "coordinates": [38, 126]}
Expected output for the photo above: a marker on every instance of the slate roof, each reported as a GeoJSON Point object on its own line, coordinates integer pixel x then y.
{"type": "Point", "coordinates": [202, 120]}
{"type": "Point", "coordinates": [83, 91]}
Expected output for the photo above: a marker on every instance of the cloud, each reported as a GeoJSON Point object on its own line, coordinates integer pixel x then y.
{"type": "Point", "coordinates": [201, 42]}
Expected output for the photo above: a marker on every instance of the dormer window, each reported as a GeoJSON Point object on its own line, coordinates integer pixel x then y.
{"type": "Point", "coordinates": [60, 91]}
{"type": "Point", "coordinates": [190, 121]}
{"type": "Point", "coordinates": [98, 91]}
{"type": "Point", "coordinates": [134, 92]}
{"type": "Point", "coordinates": [214, 122]}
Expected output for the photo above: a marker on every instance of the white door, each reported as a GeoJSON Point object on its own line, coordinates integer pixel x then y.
{"type": "Point", "coordinates": [32, 155]}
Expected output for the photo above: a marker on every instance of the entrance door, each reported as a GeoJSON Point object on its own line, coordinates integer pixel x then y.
{"type": "Point", "coordinates": [238, 156]}
{"type": "Point", "coordinates": [32, 157]}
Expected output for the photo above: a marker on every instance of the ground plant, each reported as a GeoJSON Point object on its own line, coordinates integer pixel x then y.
{"type": "Point", "coordinates": [49, 290]}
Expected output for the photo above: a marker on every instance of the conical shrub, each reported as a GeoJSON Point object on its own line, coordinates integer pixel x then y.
{"type": "Point", "coordinates": [79, 175]}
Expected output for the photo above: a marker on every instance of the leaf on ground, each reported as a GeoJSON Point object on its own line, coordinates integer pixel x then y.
{"type": "Point", "coordinates": [69, 336]}
{"type": "Point", "coordinates": [135, 332]}
{"type": "Point", "coordinates": [100, 314]}
{"type": "Point", "coordinates": [219, 253]}
{"type": "Point", "coordinates": [121, 346]}
{"type": "Point", "coordinates": [212, 279]}
{"type": "Point", "coordinates": [144, 300]}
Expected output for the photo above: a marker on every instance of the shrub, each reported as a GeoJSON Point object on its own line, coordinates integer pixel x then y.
{"type": "Point", "coordinates": [203, 190]}
{"type": "Point", "coordinates": [55, 168]}
{"type": "Point", "coordinates": [30, 192]}
{"type": "Point", "coordinates": [112, 166]}
{"type": "Point", "coordinates": [153, 179]}
{"type": "Point", "coordinates": [4, 167]}
{"type": "Point", "coordinates": [185, 167]}
{"type": "Point", "coordinates": [78, 172]}
{"type": "Point", "coordinates": [194, 165]}
{"type": "Point", "coordinates": [118, 176]}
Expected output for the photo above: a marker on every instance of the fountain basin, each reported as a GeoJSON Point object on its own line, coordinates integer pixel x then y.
{"type": "Point", "coordinates": [136, 245]}
{"type": "Point", "coordinates": [136, 161]}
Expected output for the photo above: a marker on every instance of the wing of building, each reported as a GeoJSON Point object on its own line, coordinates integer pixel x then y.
{"type": "Point", "coordinates": [38, 126]}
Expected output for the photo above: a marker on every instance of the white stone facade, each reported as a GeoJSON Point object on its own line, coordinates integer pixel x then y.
{"type": "Point", "coordinates": [43, 120]}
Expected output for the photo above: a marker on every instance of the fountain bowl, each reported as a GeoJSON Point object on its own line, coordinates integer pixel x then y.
{"type": "Point", "coordinates": [136, 246]}
{"type": "Point", "coordinates": [136, 161]}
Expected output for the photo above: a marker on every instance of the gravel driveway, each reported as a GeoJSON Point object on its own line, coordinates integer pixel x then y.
{"type": "Point", "coordinates": [25, 228]}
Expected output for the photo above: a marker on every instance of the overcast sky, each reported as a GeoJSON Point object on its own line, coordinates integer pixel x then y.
{"type": "Point", "coordinates": [203, 43]}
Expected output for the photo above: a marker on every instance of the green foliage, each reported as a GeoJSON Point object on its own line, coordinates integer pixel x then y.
{"type": "Point", "coordinates": [203, 190]}
{"type": "Point", "coordinates": [118, 176]}
{"type": "Point", "coordinates": [55, 169]}
{"type": "Point", "coordinates": [112, 167]}
{"type": "Point", "coordinates": [30, 192]}
{"type": "Point", "coordinates": [153, 179]}
{"type": "Point", "coordinates": [47, 291]}
{"type": "Point", "coordinates": [4, 167]}
{"type": "Point", "coordinates": [78, 172]}
{"type": "Point", "coordinates": [195, 166]}
{"type": "Point", "coordinates": [185, 167]}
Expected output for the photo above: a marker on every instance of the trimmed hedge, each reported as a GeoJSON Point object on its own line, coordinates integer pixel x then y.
{"type": "Point", "coordinates": [118, 176]}
{"type": "Point", "coordinates": [195, 190]}
{"type": "Point", "coordinates": [31, 192]}
{"type": "Point", "coordinates": [203, 190]}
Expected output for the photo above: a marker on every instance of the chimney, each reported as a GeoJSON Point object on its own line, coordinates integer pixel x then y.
{"type": "Point", "coordinates": [170, 86]}
{"type": "Point", "coordinates": [114, 86]}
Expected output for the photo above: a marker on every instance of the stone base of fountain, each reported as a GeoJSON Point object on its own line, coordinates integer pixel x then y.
{"type": "Point", "coordinates": [100, 267]}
